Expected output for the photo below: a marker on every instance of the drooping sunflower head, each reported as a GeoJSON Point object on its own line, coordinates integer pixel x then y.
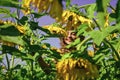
{"type": "Point", "coordinates": [72, 69]}
{"type": "Point", "coordinates": [54, 29]}
{"type": "Point", "coordinates": [53, 7]}
{"type": "Point", "coordinates": [26, 6]}
{"type": "Point", "coordinates": [73, 20]}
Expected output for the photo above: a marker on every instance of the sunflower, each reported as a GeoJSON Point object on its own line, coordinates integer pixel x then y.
{"type": "Point", "coordinates": [56, 10]}
{"type": "Point", "coordinates": [26, 6]}
{"type": "Point", "coordinates": [56, 30]}
{"type": "Point", "coordinates": [72, 69]}
{"type": "Point", "coordinates": [73, 20]}
{"type": "Point", "coordinates": [53, 7]}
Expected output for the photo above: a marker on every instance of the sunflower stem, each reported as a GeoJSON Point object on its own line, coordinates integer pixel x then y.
{"type": "Point", "coordinates": [84, 41]}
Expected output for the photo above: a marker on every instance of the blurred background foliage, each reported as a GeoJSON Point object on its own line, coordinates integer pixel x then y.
{"type": "Point", "coordinates": [92, 54]}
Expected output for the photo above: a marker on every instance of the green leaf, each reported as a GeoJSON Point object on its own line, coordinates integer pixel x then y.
{"type": "Point", "coordinates": [98, 36]}
{"type": "Point", "coordinates": [10, 3]}
{"type": "Point", "coordinates": [91, 10]}
{"type": "Point", "coordinates": [68, 3]}
{"type": "Point", "coordinates": [38, 15]}
{"type": "Point", "coordinates": [23, 72]}
{"type": "Point", "coordinates": [67, 55]}
{"type": "Point", "coordinates": [112, 29]}
{"type": "Point", "coordinates": [13, 15]}
{"type": "Point", "coordinates": [28, 57]}
{"type": "Point", "coordinates": [112, 17]}
{"type": "Point", "coordinates": [102, 10]}
{"type": "Point", "coordinates": [22, 20]}
{"type": "Point", "coordinates": [12, 51]}
{"type": "Point", "coordinates": [35, 48]}
{"type": "Point", "coordinates": [33, 25]}
{"type": "Point", "coordinates": [116, 44]}
{"type": "Point", "coordinates": [98, 56]}
{"type": "Point", "coordinates": [44, 30]}
{"type": "Point", "coordinates": [77, 41]}
{"type": "Point", "coordinates": [4, 10]}
{"type": "Point", "coordinates": [82, 29]}
{"type": "Point", "coordinates": [5, 26]}
{"type": "Point", "coordinates": [13, 39]}
{"type": "Point", "coordinates": [9, 30]}
{"type": "Point", "coordinates": [55, 54]}
{"type": "Point", "coordinates": [18, 66]}
{"type": "Point", "coordinates": [6, 13]}
{"type": "Point", "coordinates": [102, 5]}
{"type": "Point", "coordinates": [36, 56]}
{"type": "Point", "coordinates": [101, 19]}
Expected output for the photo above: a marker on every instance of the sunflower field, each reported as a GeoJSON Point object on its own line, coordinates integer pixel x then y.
{"type": "Point", "coordinates": [89, 38]}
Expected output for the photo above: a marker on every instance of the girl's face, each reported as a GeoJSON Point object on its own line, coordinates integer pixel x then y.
{"type": "Point", "coordinates": [67, 40]}
{"type": "Point", "coordinates": [70, 38]}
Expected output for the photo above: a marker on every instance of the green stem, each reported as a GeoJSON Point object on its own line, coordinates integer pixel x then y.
{"type": "Point", "coordinates": [85, 6]}
{"type": "Point", "coordinates": [111, 7]}
{"type": "Point", "coordinates": [8, 63]}
{"type": "Point", "coordinates": [8, 68]}
{"type": "Point", "coordinates": [18, 12]}
{"type": "Point", "coordinates": [12, 61]}
{"type": "Point", "coordinates": [97, 24]}
{"type": "Point", "coordinates": [112, 47]}
{"type": "Point", "coordinates": [84, 41]}
{"type": "Point", "coordinates": [32, 69]}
